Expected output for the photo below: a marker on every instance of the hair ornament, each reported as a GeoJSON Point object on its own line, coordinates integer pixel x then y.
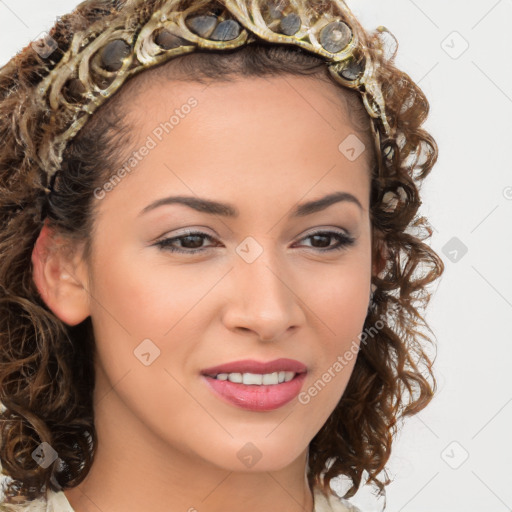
{"type": "Point", "coordinates": [102, 57]}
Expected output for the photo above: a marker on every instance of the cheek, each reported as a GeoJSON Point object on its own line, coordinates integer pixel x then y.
{"type": "Point", "coordinates": [339, 292]}
{"type": "Point", "coordinates": [342, 306]}
{"type": "Point", "coordinates": [338, 305]}
{"type": "Point", "coordinates": [138, 298]}
{"type": "Point", "coordinates": [142, 294]}
{"type": "Point", "coordinates": [141, 308]}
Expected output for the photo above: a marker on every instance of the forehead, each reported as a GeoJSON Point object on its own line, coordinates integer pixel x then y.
{"type": "Point", "coordinates": [277, 137]}
{"type": "Point", "coordinates": [299, 104]}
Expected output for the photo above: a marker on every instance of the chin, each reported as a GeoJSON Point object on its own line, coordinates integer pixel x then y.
{"type": "Point", "coordinates": [258, 454]}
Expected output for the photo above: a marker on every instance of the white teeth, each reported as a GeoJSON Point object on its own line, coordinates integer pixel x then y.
{"type": "Point", "coordinates": [257, 379]}
{"type": "Point", "coordinates": [288, 376]}
{"type": "Point", "coordinates": [252, 378]}
{"type": "Point", "coordinates": [270, 378]}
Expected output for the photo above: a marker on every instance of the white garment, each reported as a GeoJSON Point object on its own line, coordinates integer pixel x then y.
{"type": "Point", "coordinates": [57, 502]}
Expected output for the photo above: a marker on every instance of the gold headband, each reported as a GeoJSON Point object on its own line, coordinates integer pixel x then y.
{"type": "Point", "coordinates": [102, 57]}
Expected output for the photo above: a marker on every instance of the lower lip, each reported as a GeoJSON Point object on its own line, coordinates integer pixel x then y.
{"type": "Point", "coordinates": [257, 398]}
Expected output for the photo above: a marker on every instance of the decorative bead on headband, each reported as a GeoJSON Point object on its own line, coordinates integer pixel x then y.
{"type": "Point", "coordinates": [100, 59]}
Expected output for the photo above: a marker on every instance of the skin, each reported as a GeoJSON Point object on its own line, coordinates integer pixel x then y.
{"type": "Point", "coordinates": [166, 442]}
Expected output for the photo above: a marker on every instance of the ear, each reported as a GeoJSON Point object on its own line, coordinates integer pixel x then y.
{"type": "Point", "coordinates": [60, 276]}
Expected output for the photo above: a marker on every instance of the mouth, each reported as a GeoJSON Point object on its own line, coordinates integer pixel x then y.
{"type": "Point", "coordinates": [257, 386]}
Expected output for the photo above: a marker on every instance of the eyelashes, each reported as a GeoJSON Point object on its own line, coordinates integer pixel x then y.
{"type": "Point", "coordinates": [169, 244]}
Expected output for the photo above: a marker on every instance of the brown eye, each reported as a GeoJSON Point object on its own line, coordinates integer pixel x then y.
{"type": "Point", "coordinates": [321, 240]}
{"type": "Point", "coordinates": [190, 243]}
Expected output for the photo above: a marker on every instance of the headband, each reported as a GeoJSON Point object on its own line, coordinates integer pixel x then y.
{"type": "Point", "coordinates": [103, 56]}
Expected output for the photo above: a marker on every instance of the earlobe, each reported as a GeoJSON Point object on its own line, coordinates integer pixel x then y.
{"type": "Point", "coordinates": [59, 277]}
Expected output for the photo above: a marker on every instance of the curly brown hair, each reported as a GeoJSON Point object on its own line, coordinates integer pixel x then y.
{"type": "Point", "coordinates": [46, 367]}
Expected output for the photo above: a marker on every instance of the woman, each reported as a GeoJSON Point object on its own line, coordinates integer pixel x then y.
{"type": "Point", "coordinates": [219, 286]}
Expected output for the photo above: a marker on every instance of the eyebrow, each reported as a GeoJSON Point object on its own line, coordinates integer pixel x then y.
{"type": "Point", "coordinates": [228, 210]}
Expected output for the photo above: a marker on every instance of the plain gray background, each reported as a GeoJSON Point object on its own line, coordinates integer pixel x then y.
{"type": "Point", "coordinates": [455, 455]}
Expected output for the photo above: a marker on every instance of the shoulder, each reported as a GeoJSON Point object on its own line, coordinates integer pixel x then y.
{"type": "Point", "coordinates": [332, 503]}
{"type": "Point", "coordinates": [54, 502]}
{"type": "Point", "coordinates": [31, 506]}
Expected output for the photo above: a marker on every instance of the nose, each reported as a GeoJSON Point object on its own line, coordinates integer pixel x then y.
{"type": "Point", "coordinates": [264, 299]}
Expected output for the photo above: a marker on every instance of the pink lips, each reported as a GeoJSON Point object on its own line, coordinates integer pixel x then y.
{"type": "Point", "coordinates": [256, 397]}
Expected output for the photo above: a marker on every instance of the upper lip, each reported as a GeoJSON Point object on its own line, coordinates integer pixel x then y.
{"type": "Point", "coordinates": [252, 366]}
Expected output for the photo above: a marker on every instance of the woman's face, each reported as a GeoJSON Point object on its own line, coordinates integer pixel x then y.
{"type": "Point", "coordinates": [263, 277]}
